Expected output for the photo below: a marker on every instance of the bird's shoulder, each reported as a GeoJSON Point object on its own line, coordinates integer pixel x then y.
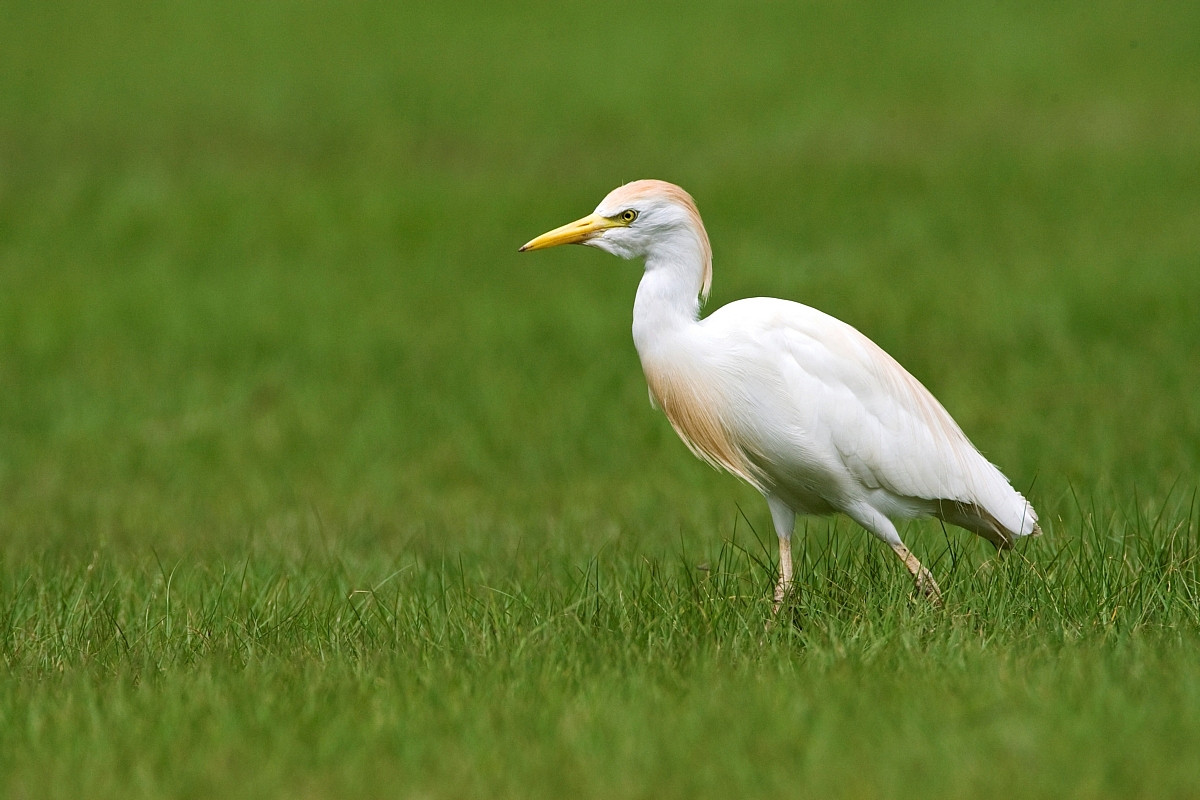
{"type": "Point", "coordinates": [784, 327]}
{"type": "Point", "coordinates": [819, 356]}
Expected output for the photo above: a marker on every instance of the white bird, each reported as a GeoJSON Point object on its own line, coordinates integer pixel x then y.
{"type": "Point", "coordinates": [798, 404]}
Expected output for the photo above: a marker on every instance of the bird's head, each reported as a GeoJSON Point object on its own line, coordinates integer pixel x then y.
{"type": "Point", "coordinates": [643, 219]}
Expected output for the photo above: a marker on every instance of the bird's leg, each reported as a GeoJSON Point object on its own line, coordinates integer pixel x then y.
{"type": "Point", "coordinates": [883, 527]}
{"type": "Point", "coordinates": [784, 520]}
{"type": "Point", "coordinates": [784, 584]}
{"type": "Point", "coordinates": [926, 585]}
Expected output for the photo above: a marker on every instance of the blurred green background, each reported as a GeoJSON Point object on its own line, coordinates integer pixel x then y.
{"type": "Point", "coordinates": [259, 287]}
{"type": "Point", "coordinates": [259, 263]}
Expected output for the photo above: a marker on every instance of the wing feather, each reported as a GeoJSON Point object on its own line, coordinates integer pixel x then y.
{"type": "Point", "coordinates": [846, 404]}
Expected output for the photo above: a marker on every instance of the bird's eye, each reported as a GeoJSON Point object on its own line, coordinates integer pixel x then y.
{"type": "Point", "coordinates": [628, 215]}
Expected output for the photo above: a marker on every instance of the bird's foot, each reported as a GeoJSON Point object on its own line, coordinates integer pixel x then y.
{"type": "Point", "coordinates": [782, 590]}
{"type": "Point", "coordinates": [927, 587]}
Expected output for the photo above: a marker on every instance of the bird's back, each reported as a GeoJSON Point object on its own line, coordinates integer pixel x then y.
{"type": "Point", "coordinates": [822, 414]}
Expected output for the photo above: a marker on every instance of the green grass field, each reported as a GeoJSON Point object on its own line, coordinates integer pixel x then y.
{"type": "Point", "coordinates": [311, 486]}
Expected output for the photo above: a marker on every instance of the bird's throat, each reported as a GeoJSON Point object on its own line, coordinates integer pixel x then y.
{"type": "Point", "coordinates": [667, 302]}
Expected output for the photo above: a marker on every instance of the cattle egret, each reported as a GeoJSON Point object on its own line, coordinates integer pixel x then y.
{"type": "Point", "coordinates": [800, 405]}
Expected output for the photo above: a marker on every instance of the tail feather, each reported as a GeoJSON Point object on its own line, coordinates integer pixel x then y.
{"type": "Point", "coordinates": [978, 520]}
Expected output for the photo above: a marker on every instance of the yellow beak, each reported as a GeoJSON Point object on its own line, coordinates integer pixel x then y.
{"type": "Point", "coordinates": [576, 232]}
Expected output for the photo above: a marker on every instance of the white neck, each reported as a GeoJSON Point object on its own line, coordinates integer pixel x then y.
{"type": "Point", "coordinates": [667, 296]}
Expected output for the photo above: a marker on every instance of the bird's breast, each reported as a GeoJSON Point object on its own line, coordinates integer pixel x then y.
{"type": "Point", "coordinates": [696, 409]}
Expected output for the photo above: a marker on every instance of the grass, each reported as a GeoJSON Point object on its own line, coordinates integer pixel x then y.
{"type": "Point", "coordinates": [316, 677]}
{"type": "Point", "coordinates": [311, 486]}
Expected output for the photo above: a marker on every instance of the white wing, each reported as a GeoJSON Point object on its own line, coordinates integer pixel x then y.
{"type": "Point", "coordinates": [832, 413]}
